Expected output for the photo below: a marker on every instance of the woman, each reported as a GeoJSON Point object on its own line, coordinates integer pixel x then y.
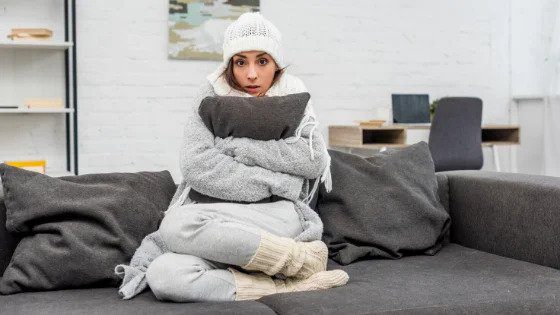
{"type": "Point", "coordinates": [228, 251]}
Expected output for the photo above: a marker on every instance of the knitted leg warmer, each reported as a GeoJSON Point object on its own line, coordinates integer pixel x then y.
{"type": "Point", "coordinates": [285, 256]}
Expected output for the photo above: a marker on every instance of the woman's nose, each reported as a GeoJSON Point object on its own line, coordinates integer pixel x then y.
{"type": "Point", "coordinates": [252, 73]}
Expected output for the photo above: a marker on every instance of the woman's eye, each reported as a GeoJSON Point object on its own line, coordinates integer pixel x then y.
{"type": "Point", "coordinates": [263, 61]}
{"type": "Point", "coordinates": [240, 62]}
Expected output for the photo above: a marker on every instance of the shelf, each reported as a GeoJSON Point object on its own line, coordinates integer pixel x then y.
{"type": "Point", "coordinates": [35, 111]}
{"type": "Point", "coordinates": [527, 97]}
{"type": "Point", "coordinates": [397, 136]}
{"type": "Point", "coordinates": [59, 174]}
{"type": "Point", "coordinates": [35, 45]}
{"type": "Point", "coordinates": [55, 173]}
{"type": "Point", "coordinates": [369, 146]}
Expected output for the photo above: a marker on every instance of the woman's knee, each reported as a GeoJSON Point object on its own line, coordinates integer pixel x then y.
{"type": "Point", "coordinates": [171, 276]}
{"type": "Point", "coordinates": [179, 227]}
{"type": "Point", "coordinates": [157, 276]}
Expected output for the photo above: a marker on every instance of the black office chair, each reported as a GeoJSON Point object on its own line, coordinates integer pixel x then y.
{"type": "Point", "coordinates": [456, 135]}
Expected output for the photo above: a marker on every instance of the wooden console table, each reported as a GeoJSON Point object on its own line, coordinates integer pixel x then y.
{"type": "Point", "coordinates": [401, 135]}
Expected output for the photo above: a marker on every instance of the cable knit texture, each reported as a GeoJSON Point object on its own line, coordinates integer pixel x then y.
{"type": "Point", "coordinates": [251, 31]}
{"type": "Point", "coordinates": [315, 259]}
{"type": "Point", "coordinates": [319, 281]}
{"type": "Point", "coordinates": [283, 255]}
{"type": "Point", "coordinates": [252, 286]}
{"type": "Point", "coordinates": [256, 285]}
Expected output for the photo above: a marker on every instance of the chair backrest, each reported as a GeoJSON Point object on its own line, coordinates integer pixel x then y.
{"type": "Point", "coordinates": [456, 135]}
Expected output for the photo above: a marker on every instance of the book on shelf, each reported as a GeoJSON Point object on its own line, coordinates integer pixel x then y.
{"type": "Point", "coordinates": [30, 34]}
{"type": "Point", "coordinates": [371, 123]}
{"type": "Point", "coordinates": [42, 103]}
{"type": "Point", "coordinates": [38, 166]}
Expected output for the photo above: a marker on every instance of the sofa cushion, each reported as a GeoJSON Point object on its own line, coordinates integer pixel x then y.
{"type": "Point", "coordinates": [107, 301]}
{"type": "Point", "coordinates": [76, 229]}
{"type": "Point", "coordinates": [456, 280]}
{"type": "Point", "coordinates": [386, 205]}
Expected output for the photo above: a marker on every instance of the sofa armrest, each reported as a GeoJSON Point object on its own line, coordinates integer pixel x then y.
{"type": "Point", "coordinates": [511, 215]}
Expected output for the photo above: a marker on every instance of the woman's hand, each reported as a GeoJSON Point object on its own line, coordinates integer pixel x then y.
{"type": "Point", "coordinates": [224, 145]}
{"type": "Point", "coordinates": [234, 148]}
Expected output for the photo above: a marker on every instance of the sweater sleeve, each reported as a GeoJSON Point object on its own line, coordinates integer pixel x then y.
{"type": "Point", "coordinates": [279, 155]}
{"type": "Point", "coordinates": [211, 172]}
{"type": "Point", "coordinates": [283, 155]}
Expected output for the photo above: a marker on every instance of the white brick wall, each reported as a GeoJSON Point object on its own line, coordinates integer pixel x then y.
{"type": "Point", "coordinates": [351, 54]}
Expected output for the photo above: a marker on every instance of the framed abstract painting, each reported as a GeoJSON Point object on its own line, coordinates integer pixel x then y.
{"type": "Point", "coordinates": [196, 27]}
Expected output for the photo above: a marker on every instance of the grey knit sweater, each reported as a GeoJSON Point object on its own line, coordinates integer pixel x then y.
{"type": "Point", "coordinates": [241, 169]}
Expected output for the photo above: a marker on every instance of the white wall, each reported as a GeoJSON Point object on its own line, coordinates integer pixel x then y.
{"type": "Point", "coordinates": [351, 55]}
{"type": "Point", "coordinates": [530, 40]}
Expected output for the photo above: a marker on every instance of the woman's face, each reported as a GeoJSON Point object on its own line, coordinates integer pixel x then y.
{"type": "Point", "coordinates": [254, 71]}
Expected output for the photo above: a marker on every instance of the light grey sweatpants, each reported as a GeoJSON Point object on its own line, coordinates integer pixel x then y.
{"type": "Point", "coordinates": [205, 239]}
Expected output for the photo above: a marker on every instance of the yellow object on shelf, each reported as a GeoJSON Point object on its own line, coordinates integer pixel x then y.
{"type": "Point", "coordinates": [371, 123]}
{"type": "Point", "coordinates": [30, 33]}
{"type": "Point", "coordinates": [42, 103]}
{"type": "Point", "coordinates": [38, 166]}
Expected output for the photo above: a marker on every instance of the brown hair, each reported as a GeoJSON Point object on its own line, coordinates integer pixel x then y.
{"type": "Point", "coordinates": [232, 82]}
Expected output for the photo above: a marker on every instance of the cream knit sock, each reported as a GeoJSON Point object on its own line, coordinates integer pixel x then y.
{"type": "Point", "coordinates": [318, 281]}
{"type": "Point", "coordinates": [315, 260]}
{"type": "Point", "coordinates": [284, 255]}
{"type": "Point", "coordinates": [256, 285]}
{"type": "Point", "coordinates": [252, 286]}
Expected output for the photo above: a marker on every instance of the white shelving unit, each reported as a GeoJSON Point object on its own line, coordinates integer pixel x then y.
{"type": "Point", "coordinates": [39, 69]}
{"type": "Point", "coordinates": [36, 45]}
{"type": "Point", "coordinates": [35, 111]}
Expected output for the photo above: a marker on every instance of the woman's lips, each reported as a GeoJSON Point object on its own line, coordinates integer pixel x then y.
{"type": "Point", "coordinates": [252, 88]}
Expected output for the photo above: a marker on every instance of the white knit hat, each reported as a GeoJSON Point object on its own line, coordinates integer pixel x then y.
{"type": "Point", "coordinates": [251, 31]}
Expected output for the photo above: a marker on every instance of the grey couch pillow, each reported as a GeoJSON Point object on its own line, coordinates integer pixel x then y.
{"type": "Point", "coordinates": [386, 205]}
{"type": "Point", "coordinates": [260, 118]}
{"type": "Point", "coordinates": [76, 229]}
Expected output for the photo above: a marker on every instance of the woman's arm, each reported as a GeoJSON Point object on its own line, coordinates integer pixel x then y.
{"type": "Point", "coordinates": [280, 155]}
{"type": "Point", "coordinates": [209, 171]}
{"type": "Point", "coordinates": [283, 155]}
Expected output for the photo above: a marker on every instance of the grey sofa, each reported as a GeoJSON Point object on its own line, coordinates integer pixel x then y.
{"type": "Point", "coordinates": [502, 256]}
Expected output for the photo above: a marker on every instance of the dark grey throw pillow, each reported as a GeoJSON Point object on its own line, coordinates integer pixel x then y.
{"type": "Point", "coordinates": [386, 205]}
{"type": "Point", "coordinates": [74, 230]}
{"type": "Point", "coordinates": [260, 118]}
